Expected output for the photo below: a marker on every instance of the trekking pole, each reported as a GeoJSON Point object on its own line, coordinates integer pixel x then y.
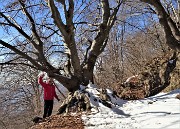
{"type": "Point", "coordinates": [59, 90]}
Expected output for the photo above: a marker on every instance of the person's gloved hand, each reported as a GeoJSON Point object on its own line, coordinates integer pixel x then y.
{"type": "Point", "coordinates": [42, 75]}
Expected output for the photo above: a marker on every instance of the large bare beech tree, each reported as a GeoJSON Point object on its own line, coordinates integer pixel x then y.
{"type": "Point", "coordinates": [37, 32]}
{"type": "Point", "coordinates": [65, 37]}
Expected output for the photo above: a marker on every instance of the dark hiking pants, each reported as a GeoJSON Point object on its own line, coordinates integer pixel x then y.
{"type": "Point", "coordinates": [48, 107]}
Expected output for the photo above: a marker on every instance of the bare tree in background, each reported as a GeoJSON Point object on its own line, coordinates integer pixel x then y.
{"type": "Point", "coordinates": [20, 96]}
{"type": "Point", "coordinates": [136, 38]}
{"type": "Point", "coordinates": [142, 41]}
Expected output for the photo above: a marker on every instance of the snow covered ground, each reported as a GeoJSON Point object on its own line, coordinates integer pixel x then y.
{"type": "Point", "coordinates": [160, 111]}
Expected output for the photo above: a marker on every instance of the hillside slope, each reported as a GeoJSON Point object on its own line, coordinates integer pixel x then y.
{"type": "Point", "coordinates": [159, 111]}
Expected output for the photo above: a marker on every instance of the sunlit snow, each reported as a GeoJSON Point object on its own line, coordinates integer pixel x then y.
{"type": "Point", "coordinates": [160, 111]}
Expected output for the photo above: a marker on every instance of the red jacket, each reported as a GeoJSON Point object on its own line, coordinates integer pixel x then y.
{"type": "Point", "coordinates": [49, 90]}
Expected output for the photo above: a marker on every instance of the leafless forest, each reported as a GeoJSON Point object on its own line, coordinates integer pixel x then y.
{"type": "Point", "coordinates": [77, 41]}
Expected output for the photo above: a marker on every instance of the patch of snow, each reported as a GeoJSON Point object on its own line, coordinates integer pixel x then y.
{"type": "Point", "coordinates": [171, 61]}
{"type": "Point", "coordinates": [159, 111]}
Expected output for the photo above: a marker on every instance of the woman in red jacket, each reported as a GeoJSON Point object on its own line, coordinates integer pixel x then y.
{"type": "Point", "coordinates": [49, 94]}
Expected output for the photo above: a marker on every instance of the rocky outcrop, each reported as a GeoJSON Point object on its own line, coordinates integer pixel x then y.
{"type": "Point", "coordinates": [160, 73]}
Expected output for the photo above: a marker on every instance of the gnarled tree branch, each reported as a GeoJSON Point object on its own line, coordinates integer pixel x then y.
{"type": "Point", "coordinates": [172, 32]}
